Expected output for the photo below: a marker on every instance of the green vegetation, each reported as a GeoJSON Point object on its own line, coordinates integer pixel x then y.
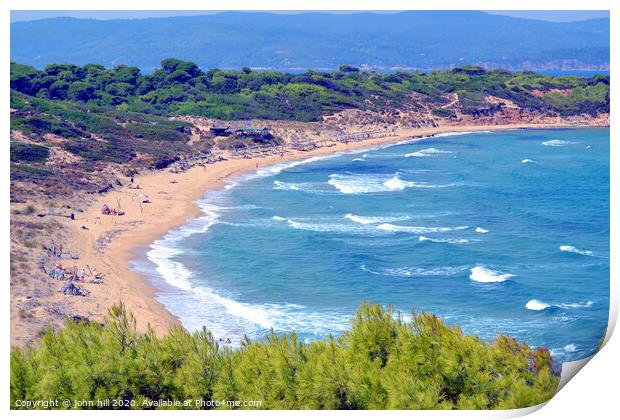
{"type": "Point", "coordinates": [119, 115]}
{"type": "Point", "coordinates": [443, 113]}
{"type": "Point", "coordinates": [96, 133]}
{"type": "Point", "coordinates": [382, 362]}
{"type": "Point", "coordinates": [181, 88]}
{"type": "Point", "coordinates": [26, 172]}
{"type": "Point", "coordinates": [29, 152]}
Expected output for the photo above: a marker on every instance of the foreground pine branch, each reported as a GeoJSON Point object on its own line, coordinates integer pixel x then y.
{"type": "Point", "coordinates": [381, 363]}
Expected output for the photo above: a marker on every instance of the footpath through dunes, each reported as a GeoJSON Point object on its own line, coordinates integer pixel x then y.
{"type": "Point", "coordinates": [477, 253]}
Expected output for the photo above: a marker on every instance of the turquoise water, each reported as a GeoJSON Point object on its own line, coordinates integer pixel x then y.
{"type": "Point", "coordinates": [497, 232]}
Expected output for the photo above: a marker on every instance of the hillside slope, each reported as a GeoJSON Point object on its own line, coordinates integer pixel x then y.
{"type": "Point", "coordinates": [414, 39]}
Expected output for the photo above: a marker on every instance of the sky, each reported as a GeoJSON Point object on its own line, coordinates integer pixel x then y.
{"type": "Point", "coordinates": [24, 15]}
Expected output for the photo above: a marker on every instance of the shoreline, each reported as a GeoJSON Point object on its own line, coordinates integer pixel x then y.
{"type": "Point", "coordinates": [111, 243]}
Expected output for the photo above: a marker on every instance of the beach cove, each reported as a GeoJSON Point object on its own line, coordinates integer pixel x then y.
{"type": "Point", "coordinates": [110, 242]}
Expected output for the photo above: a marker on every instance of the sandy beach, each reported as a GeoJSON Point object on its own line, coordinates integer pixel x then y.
{"type": "Point", "coordinates": [106, 244]}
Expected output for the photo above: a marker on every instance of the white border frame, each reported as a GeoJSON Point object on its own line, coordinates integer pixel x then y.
{"type": "Point", "coordinates": [593, 393]}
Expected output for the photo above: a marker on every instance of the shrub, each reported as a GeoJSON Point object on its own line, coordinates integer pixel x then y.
{"type": "Point", "coordinates": [155, 131]}
{"type": "Point", "coordinates": [29, 152]}
{"type": "Point", "coordinates": [382, 362]}
{"type": "Point", "coordinates": [25, 172]}
{"type": "Point", "coordinates": [443, 113]}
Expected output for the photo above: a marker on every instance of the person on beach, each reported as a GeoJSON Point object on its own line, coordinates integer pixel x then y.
{"type": "Point", "coordinates": [82, 274]}
{"type": "Point", "coordinates": [59, 272]}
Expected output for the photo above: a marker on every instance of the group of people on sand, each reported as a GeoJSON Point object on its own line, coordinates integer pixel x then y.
{"type": "Point", "coordinates": [59, 272]}
{"type": "Point", "coordinates": [105, 209]}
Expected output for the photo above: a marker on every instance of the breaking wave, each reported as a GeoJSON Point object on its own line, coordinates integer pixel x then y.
{"type": "Point", "coordinates": [460, 133]}
{"type": "Point", "coordinates": [572, 249]}
{"type": "Point", "coordinates": [429, 152]}
{"type": "Point", "coordinates": [363, 184]}
{"type": "Point", "coordinates": [287, 186]}
{"type": "Point", "coordinates": [417, 229]}
{"type": "Point", "coordinates": [164, 250]}
{"type": "Point", "coordinates": [483, 274]}
{"type": "Point", "coordinates": [445, 241]}
{"type": "Point", "coordinates": [537, 305]}
{"type": "Point", "coordinates": [277, 168]}
{"type": "Point", "coordinates": [317, 226]}
{"type": "Point", "coordinates": [227, 314]}
{"type": "Point", "coordinates": [557, 143]}
{"type": "Point", "coordinates": [369, 220]}
{"type": "Point", "coordinates": [416, 271]}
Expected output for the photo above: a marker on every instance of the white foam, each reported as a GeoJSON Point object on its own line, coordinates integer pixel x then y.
{"type": "Point", "coordinates": [527, 161]}
{"type": "Point", "coordinates": [358, 160]}
{"type": "Point", "coordinates": [460, 133]}
{"type": "Point", "coordinates": [363, 184]}
{"type": "Point", "coordinates": [572, 249]}
{"type": "Point", "coordinates": [317, 226]}
{"type": "Point", "coordinates": [536, 305]}
{"type": "Point", "coordinates": [575, 305]}
{"type": "Point", "coordinates": [369, 220]}
{"type": "Point", "coordinates": [277, 168]}
{"type": "Point", "coordinates": [397, 184]}
{"type": "Point", "coordinates": [429, 152]}
{"type": "Point", "coordinates": [557, 143]}
{"type": "Point", "coordinates": [569, 348]}
{"type": "Point", "coordinates": [483, 274]}
{"type": "Point", "coordinates": [417, 271]}
{"type": "Point", "coordinates": [481, 230]}
{"type": "Point", "coordinates": [164, 250]}
{"type": "Point", "coordinates": [285, 186]}
{"type": "Point", "coordinates": [280, 317]}
{"type": "Point", "coordinates": [173, 272]}
{"type": "Point", "coordinates": [417, 229]}
{"type": "Point", "coordinates": [227, 317]}
{"type": "Point", "coordinates": [350, 184]}
{"type": "Point", "coordinates": [447, 241]}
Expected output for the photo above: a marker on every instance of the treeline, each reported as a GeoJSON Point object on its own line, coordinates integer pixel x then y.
{"type": "Point", "coordinates": [382, 362]}
{"type": "Point", "coordinates": [181, 87]}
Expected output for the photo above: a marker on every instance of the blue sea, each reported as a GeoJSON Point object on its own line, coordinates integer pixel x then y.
{"type": "Point", "coordinates": [497, 232]}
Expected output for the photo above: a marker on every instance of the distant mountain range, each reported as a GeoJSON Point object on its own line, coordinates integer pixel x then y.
{"type": "Point", "coordinates": [407, 40]}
